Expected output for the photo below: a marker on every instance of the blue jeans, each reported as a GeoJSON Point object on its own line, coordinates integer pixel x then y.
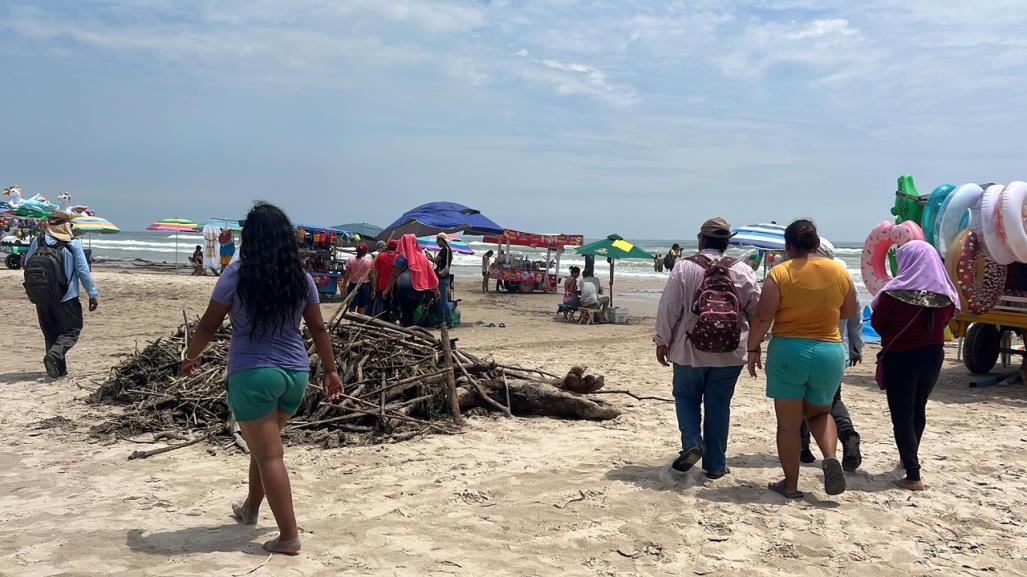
{"type": "Point", "coordinates": [444, 313]}
{"type": "Point", "coordinates": [712, 387]}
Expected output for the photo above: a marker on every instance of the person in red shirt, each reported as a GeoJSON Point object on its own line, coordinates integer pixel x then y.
{"type": "Point", "coordinates": [380, 274]}
{"type": "Point", "coordinates": [910, 314]}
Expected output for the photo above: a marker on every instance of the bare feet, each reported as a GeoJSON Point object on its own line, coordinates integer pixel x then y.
{"type": "Point", "coordinates": [286, 547]}
{"type": "Point", "coordinates": [243, 513]}
{"type": "Point", "coordinates": [909, 485]}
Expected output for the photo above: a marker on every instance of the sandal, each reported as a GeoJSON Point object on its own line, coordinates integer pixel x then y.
{"type": "Point", "coordinates": [834, 477]}
{"type": "Point", "coordinates": [779, 488]}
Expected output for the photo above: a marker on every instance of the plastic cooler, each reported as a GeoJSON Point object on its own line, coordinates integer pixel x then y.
{"type": "Point", "coordinates": [617, 315]}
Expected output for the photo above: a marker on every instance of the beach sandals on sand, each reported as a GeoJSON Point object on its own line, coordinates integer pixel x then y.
{"type": "Point", "coordinates": [834, 477]}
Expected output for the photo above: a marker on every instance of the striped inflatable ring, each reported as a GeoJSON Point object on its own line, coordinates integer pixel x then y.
{"type": "Point", "coordinates": [932, 210]}
{"type": "Point", "coordinates": [979, 280]}
{"type": "Point", "coordinates": [988, 226]}
{"type": "Point", "coordinates": [875, 251]}
{"type": "Point", "coordinates": [952, 214]}
{"type": "Point", "coordinates": [1009, 221]}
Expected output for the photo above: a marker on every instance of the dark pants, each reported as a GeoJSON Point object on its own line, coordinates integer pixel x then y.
{"type": "Point", "coordinates": [712, 388]}
{"type": "Point", "coordinates": [61, 324]}
{"type": "Point", "coordinates": [409, 299]}
{"type": "Point", "coordinates": [383, 306]}
{"type": "Point", "coordinates": [841, 420]}
{"type": "Point", "coordinates": [910, 378]}
{"type": "Point", "coordinates": [444, 313]}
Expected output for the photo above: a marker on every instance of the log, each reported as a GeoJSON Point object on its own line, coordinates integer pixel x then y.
{"type": "Point", "coordinates": [454, 403]}
{"type": "Point", "coordinates": [528, 398]}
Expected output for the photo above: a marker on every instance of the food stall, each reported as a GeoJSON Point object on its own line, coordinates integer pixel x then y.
{"type": "Point", "coordinates": [518, 272]}
{"type": "Point", "coordinates": [319, 251]}
{"type": "Point", "coordinates": [16, 234]}
{"type": "Point", "coordinates": [989, 269]}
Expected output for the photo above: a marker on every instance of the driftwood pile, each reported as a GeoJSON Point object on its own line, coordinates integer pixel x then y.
{"type": "Point", "coordinates": [399, 383]}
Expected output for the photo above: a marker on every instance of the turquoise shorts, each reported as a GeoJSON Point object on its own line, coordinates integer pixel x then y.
{"type": "Point", "coordinates": [255, 393]}
{"type": "Point", "coordinates": [804, 369]}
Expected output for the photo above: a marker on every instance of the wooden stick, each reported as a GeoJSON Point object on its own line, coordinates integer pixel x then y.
{"type": "Point", "coordinates": [484, 395]}
{"type": "Point", "coordinates": [152, 452]}
{"type": "Point", "coordinates": [454, 403]}
{"type": "Point", "coordinates": [630, 394]}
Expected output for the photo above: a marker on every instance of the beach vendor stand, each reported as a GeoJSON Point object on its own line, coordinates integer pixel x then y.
{"type": "Point", "coordinates": [16, 234]}
{"type": "Point", "coordinates": [319, 251]}
{"type": "Point", "coordinates": [517, 271]}
{"type": "Point", "coordinates": [988, 269]}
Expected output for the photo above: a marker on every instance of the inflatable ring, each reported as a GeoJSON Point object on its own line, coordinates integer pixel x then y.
{"type": "Point", "coordinates": [1009, 220]}
{"type": "Point", "coordinates": [986, 223]}
{"type": "Point", "coordinates": [979, 280]}
{"type": "Point", "coordinates": [875, 251]}
{"type": "Point", "coordinates": [933, 210]}
{"type": "Point", "coordinates": [952, 213]}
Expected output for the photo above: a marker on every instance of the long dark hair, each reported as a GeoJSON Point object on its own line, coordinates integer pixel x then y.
{"type": "Point", "coordinates": [272, 282]}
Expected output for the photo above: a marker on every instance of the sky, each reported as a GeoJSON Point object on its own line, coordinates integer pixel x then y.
{"type": "Point", "coordinates": [635, 117]}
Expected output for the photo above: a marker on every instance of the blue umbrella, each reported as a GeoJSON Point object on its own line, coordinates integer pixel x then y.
{"type": "Point", "coordinates": [364, 229]}
{"type": "Point", "coordinates": [436, 217]}
{"type": "Point", "coordinates": [762, 236]}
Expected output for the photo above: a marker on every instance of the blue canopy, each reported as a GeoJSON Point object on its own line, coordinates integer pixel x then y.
{"type": "Point", "coordinates": [364, 229]}
{"type": "Point", "coordinates": [436, 217]}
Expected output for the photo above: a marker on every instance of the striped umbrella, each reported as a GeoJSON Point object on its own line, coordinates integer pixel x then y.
{"type": "Point", "coordinates": [175, 225]}
{"type": "Point", "coordinates": [87, 224]}
{"type": "Point", "coordinates": [455, 242]}
{"type": "Point", "coordinates": [763, 236]}
{"type": "Point", "coordinates": [225, 223]}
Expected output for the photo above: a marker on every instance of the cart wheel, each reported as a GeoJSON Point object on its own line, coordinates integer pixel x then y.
{"type": "Point", "coordinates": [981, 348]}
{"type": "Point", "coordinates": [13, 261]}
{"type": "Point", "coordinates": [527, 287]}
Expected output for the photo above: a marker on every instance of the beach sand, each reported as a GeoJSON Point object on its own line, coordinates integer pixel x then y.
{"type": "Point", "coordinates": [518, 497]}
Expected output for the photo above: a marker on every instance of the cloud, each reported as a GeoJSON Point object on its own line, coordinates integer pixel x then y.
{"type": "Point", "coordinates": [572, 78]}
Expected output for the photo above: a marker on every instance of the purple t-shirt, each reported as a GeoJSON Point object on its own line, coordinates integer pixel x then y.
{"type": "Point", "coordinates": [283, 349]}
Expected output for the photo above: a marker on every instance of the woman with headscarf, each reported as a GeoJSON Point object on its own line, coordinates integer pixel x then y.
{"type": "Point", "coordinates": [804, 298]}
{"type": "Point", "coordinates": [413, 278]}
{"type": "Point", "coordinates": [910, 314]}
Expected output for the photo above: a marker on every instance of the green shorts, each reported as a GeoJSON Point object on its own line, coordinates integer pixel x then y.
{"type": "Point", "coordinates": [804, 369]}
{"type": "Point", "coordinates": [255, 393]}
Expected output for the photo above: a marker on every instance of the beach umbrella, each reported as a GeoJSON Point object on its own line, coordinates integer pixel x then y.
{"type": "Point", "coordinates": [614, 248]}
{"type": "Point", "coordinates": [175, 225]}
{"type": "Point", "coordinates": [436, 217]}
{"type": "Point", "coordinates": [365, 230]}
{"type": "Point", "coordinates": [93, 224]}
{"type": "Point", "coordinates": [224, 223]}
{"type": "Point", "coordinates": [762, 236]}
{"type": "Point", "coordinates": [456, 243]}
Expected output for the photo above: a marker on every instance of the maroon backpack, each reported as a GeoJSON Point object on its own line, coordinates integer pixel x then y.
{"type": "Point", "coordinates": [718, 328]}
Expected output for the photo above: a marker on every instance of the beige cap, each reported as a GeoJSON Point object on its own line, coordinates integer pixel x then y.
{"type": "Point", "coordinates": [716, 228]}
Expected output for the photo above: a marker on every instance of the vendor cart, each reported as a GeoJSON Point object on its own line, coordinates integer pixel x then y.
{"type": "Point", "coordinates": [16, 234]}
{"type": "Point", "coordinates": [519, 272]}
{"type": "Point", "coordinates": [987, 336]}
{"type": "Point", "coordinates": [319, 252]}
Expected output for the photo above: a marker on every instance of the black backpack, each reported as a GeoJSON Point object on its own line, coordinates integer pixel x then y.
{"type": "Point", "coordinates": [668, 262]}
{"type": "Point", "coordinates": [45, 281]}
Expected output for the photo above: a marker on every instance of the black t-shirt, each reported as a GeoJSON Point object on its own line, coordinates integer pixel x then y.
{"type": "Point", "coordinates": [444, 261]}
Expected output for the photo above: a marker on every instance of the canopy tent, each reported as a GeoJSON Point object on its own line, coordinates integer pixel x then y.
{"type": "Point", "coordinates": [365, 230]}
{"type": "Point", "coordinates": [762, 236]}
{"type": "Point", "coordinates": [176, 224]}
{"type": "Point", "coordinates": [436, 217]}
{"type": "Point", "coordinates": [518, 238]}
{"type": "Point", "coordinates": [456, 243]}
{"type": "Point", "coordinates": [614, 247]}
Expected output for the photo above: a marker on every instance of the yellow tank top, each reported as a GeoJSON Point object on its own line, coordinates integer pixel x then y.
{"type": "Point", "coordinates": [812, 294]}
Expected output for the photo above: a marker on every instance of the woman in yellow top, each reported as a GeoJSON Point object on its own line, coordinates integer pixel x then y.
{"type": "Point", "coordinates": [804, 298]}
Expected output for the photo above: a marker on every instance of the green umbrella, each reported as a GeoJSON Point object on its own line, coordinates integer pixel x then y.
{"type": "Point", "coordinates": [614, 247]}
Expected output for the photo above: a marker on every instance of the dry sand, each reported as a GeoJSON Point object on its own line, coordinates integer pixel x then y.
{"type": "Point", "coordinates": [508, 497]}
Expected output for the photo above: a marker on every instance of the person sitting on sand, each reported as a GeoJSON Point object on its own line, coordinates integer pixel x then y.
{"type": "Point", "coordinates": [571, 298]}
{"type": "Point", "coordinates": [911, 314]}
{"type": "Point", "coordinates": [703, 379]}
{"type": "Point", "coordinates": [266, 293]}
{"type": "Point", "coordinates": [804, 298]}
{"type": "Point", "coordinates": [196, 259]}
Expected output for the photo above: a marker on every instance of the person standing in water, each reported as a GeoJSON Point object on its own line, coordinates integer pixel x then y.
{"type": "Point", "coordinates": [266, 293]}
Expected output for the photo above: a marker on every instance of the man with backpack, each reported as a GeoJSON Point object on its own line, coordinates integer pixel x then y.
{"type": "Point", "coordinates": [701, 329]}
{"type": "Point", "coordinates": [55, 264]}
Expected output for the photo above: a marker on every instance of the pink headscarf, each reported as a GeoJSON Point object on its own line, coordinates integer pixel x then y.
{"type": "Point", "coordinates": [920, 269]}
{"type": "Point", "coordinates": [422, 272]}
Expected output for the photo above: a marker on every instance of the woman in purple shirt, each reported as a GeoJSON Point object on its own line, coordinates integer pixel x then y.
{"type": "Point", "coordinates": [266, 294]}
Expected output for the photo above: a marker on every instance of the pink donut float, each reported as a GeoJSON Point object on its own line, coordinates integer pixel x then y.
{"type": "Point", "coordinates": [875, 251]}
{"type": "Point", "coordinates": [988, 224]}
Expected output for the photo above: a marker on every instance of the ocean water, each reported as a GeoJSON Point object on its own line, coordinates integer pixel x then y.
{"type": "Point", "coordinates": [160, 247]}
